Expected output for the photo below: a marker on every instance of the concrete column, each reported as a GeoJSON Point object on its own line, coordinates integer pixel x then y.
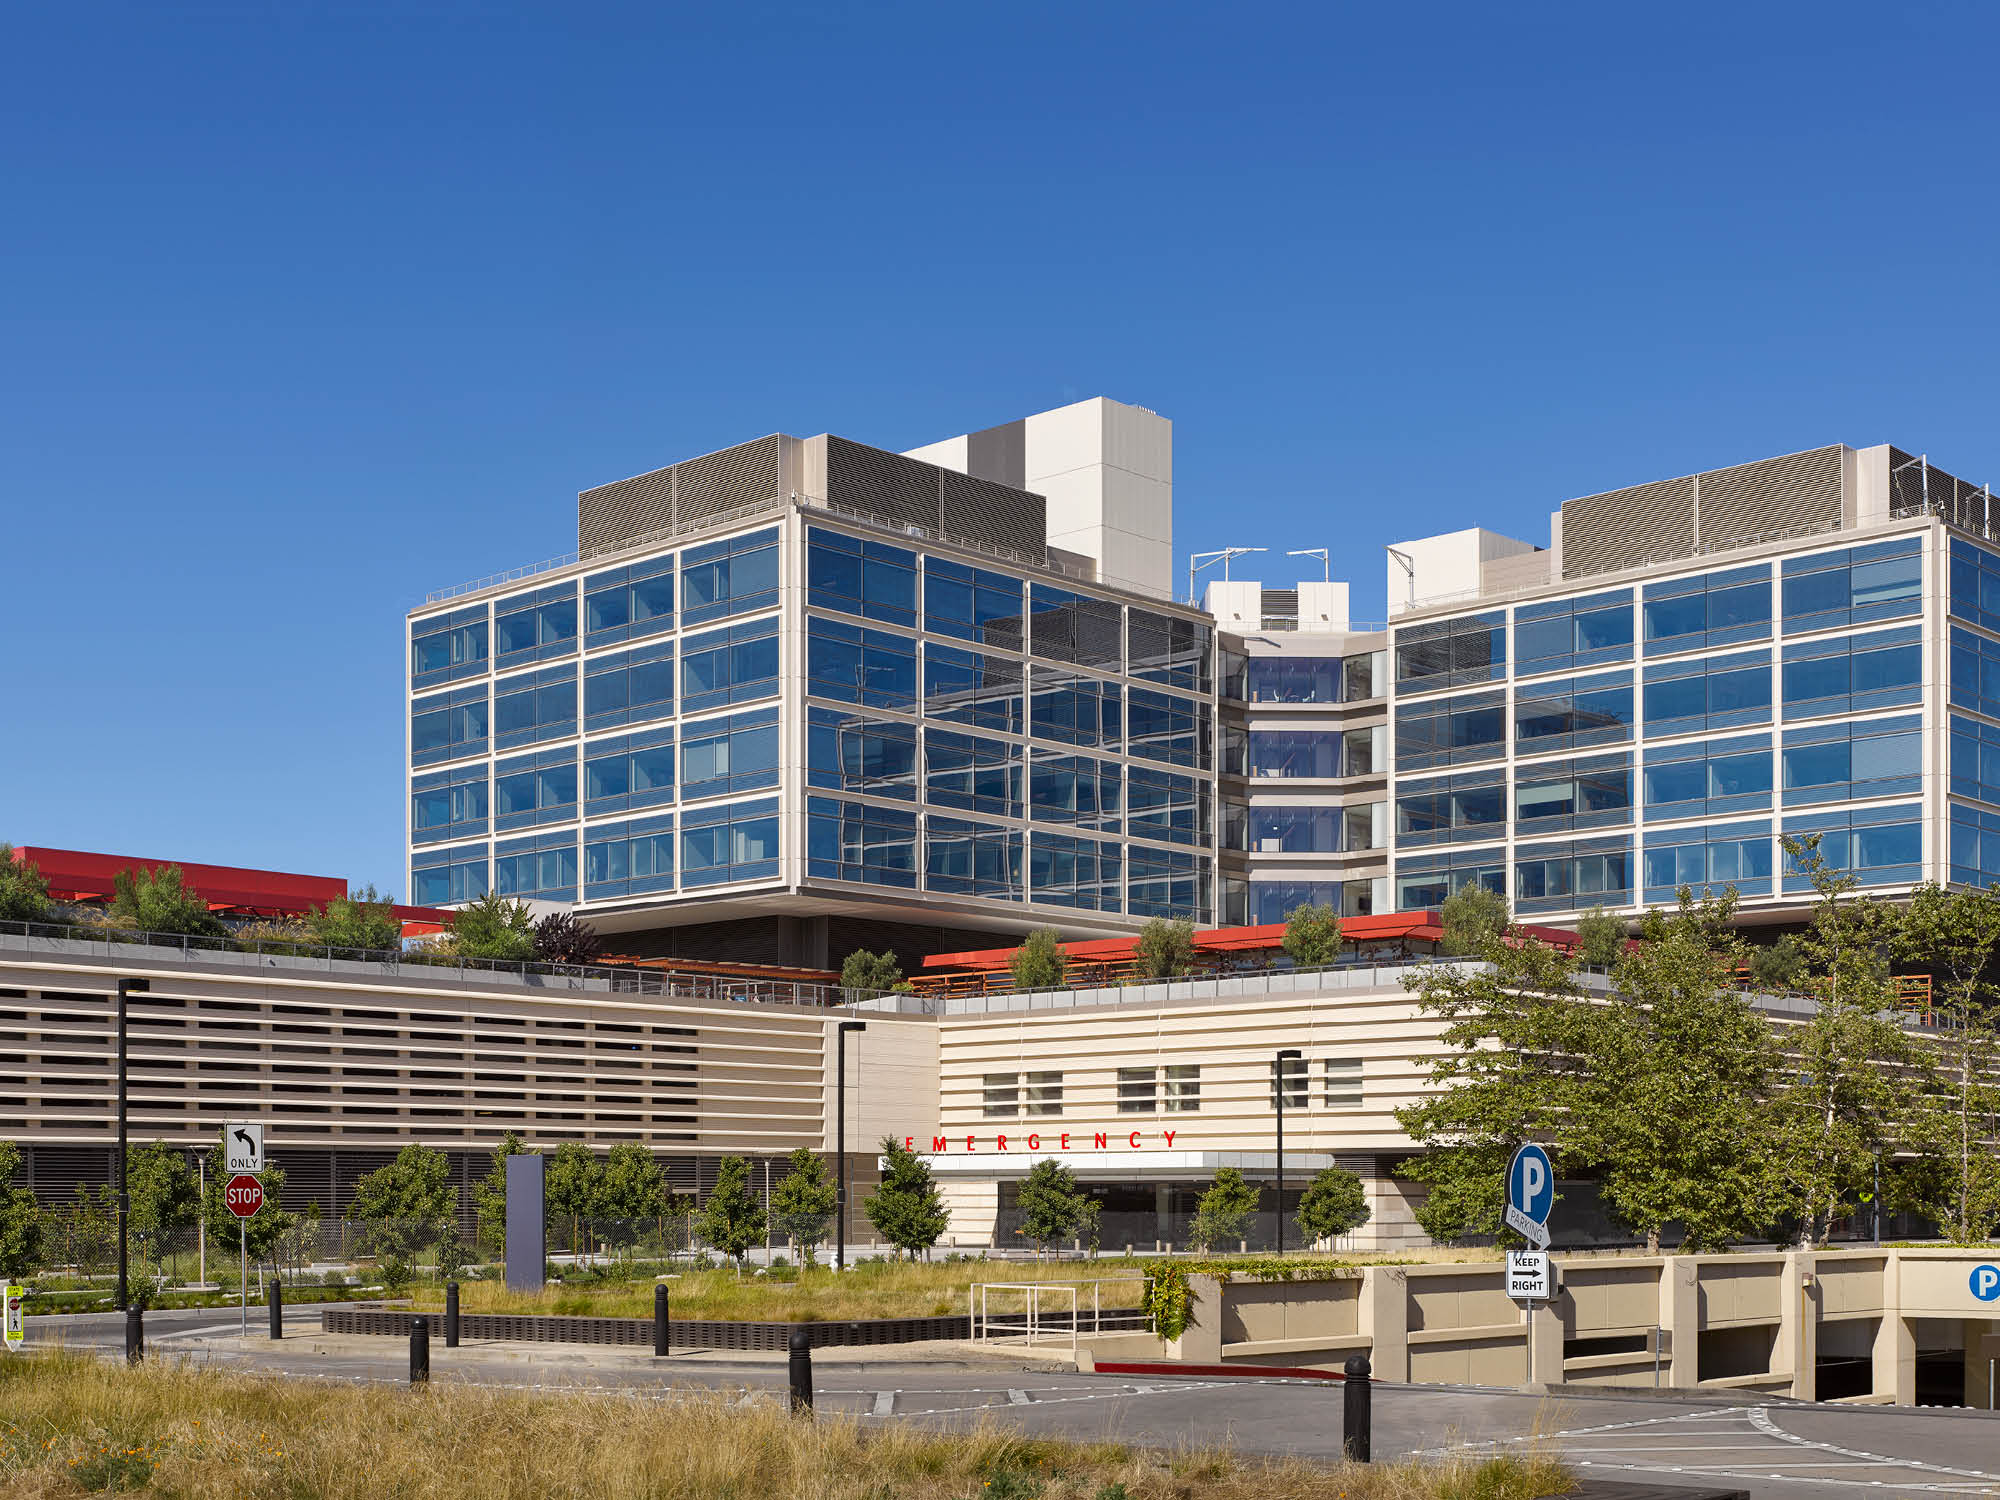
{"type": "Point", "coordinates": [1894, 1354]}
{"type": "Point", "coordinates": [1384, 1318]}
{"type": "Point", "coordinates": [1680, 1323]}
{"type": "Point", "coordinates": [1980, 1349]}
{"type": "Point", "coordinates": [1545, 1346]}
{"type": "Point", "coordinates": [1797, 1351]}
{"type": "Point", "coordinates": [1201, 1342]}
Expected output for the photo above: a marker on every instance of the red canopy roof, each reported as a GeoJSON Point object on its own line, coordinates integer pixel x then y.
{"type": "Point", "coordinates": [74, 875]}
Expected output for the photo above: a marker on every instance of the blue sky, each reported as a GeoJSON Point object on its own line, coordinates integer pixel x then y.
{"type": "Point", "coordinates": [310, 309]}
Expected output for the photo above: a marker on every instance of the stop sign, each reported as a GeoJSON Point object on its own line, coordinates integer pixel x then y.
{"type": "Point", "coordinates": [244, 1195]}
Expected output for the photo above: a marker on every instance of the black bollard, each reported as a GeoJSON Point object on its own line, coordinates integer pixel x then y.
{"type": "Point", "coordinates": [802, 1370]}
{"type": "Point", "coordinates": [660, 1322]}
{"type": "Point", "coordinates": [135, 1334]}
{"type": "Point", "coordinates": [451, 1315]}
{"type": "Point", "coordinates": [276, 1300]}
{"type": "Point", "coordinates": [1357, 1416]}
{"type": "Point", "coordinates": [420, 1350]}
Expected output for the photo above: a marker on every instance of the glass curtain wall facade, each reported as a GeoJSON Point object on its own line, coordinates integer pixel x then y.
{"type": "Point", "coordinates": [1609, 747]}
{"type": "Point", "coordinates": [807, 702]}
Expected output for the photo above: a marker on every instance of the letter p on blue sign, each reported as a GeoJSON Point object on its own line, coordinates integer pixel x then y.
{"type": "Point", "coordinates": [1986, 1282]}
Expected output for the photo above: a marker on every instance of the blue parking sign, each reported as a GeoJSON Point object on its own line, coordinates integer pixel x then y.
{"type": "Point", "coordinates": [1531, 1183]}
{"type": "Point", "coordinates": [1986, 1282]}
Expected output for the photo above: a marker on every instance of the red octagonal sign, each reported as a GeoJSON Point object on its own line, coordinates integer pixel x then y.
{"type": "Point", "coordinates": [244, 1195]}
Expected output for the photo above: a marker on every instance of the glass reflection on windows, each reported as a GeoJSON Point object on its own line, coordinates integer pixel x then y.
{"type": "Point", "coordinates": [1711, 858]}
{"type": "Point", "coordinates": [448, 726]}
{"type": "Point", "coordinates": [1076, 710]}
{"type": "Point", "coordinates": [628, 687]}
{"type": "Point", "coordinates": [1851, 674]}
{"type": "Point", "coordinates": [973, 687]}
{"type": "Point", "coordinates": [1077, 872]}
{"type": "Point", "coordinates": [535, 627]}
{"type": "Point", "coordinates": [855, 842]}
{"type": "Point", "coordinates": [629, 603]}
{"type": "Point", "coordinates": [542, 867]}
{"type": "Point", "coordinates": [1451, 653]}
{"type": "Point", "coordinates": [972, 859]}
{"type": "Point", "coordinates": [446, 648]}
{"type": "Point", "coordinates": [856, 577]}
{"type": "Point", "coordinates": [736, 754]}
{"type": "Point", "coordinates": [532, 789]}
{"type": "Point", "coordinates": [972, 774]}
{"type": "Point", "coordinates": [1573, 713]}
{"type": "Point", "coordinates": [533, 707]}
{"type": "Point", "coordinates": [849, 753]}
{"type": "Point", "coordinates": [1075, 789]}
{"type": "Point", "coordinates": [1720, 692]}
{"type": "Point", "coordinates": [738, 664]}
{"type": "Point", "coordinates": [628, 859]}
{"type": "Point", "coordinates": [1708, 779]}
{"type": "Point", "coordinates": [730, 842]}
{"type": "Point", "coordinates": [1877, 845]}
{"type": "Point", "coordinates": [1451, 731]}
{"type": "Point", "coordinates": [1450, 809]}
{"type": "Point", "coordinates": [1853, 586]}
{"type": "Point", "coordinates": [973, 604]}
{"type": "Point", "coordinates": [1571, 633]}
{"type": "Point", "coordinates": [447, 805]}
{"type": "Point", "coordinates": [1163, 727]}
{"type": "Point", "coordinates": [628, 772]}
{"type": "Point", "coordinates": [1707, 610]}
{"type": "Point", "coordinates": [735, 576]}
{"type": "Point", "coordinates": [448, 877]}
{"type": "Point", "coordinates": [1842, 762]}
{"type": "Point", "coordinates": [852, 665]}
{"type": "Point", "coordinates": [1077, 628]}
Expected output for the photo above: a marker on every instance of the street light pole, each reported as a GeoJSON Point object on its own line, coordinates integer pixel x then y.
{"type": "Point", "coordinates": [126, 987]}
{"type": "Point", "coordinates": [840, 1141]}
{"type": "Point", "coordinates": [1284, 1057]}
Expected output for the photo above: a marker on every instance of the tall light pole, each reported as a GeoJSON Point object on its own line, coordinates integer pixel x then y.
{"type": "Point", "coordinates": [1288, 1055]}
{"type": "Point", "coordinates": [126, 987]}
{"type": "Point", "coordinates": [840, 1141]}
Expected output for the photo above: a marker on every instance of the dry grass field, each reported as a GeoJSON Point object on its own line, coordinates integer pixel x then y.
{"type": "Point", "coordinates": [72, 1426]}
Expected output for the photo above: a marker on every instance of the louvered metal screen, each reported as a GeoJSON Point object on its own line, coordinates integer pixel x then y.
{"type": "Point", "coordinates": [1628, 528]}
{"type": "Point", "coordinates": [980, 510]}
{"type": "Point", "coordinates": [613, 514]}
{"type": "Point", "coordinates": [747, 474]}
{"type": "Point", "coordinates": [1797, 493]}
{"type": "Point", "coordinates": [881, 483]}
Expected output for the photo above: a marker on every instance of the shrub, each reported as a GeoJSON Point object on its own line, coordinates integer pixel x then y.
{"type": "Point", "coordinates": [561, 939]}
{"type": "Point", "coordinates": [1778, 966]}
{"type": "Point", "coordinates": [1312, 936]}
{"type": "Point", "coordinates": [732, 1219]}
{"type": "Point", "coordinates": [24, 893]}
{"type": "Point", "coordinates": [495, 927]}
{"type": "Point", "coordinates": [1051, 1206]}
{"type": "Point", "coordinates": [362, 919]}
{"type": "Point", "coordinates": [862, 970]}
{"type": "Point", "coordinates": [159, 901]}
{"type": "Point", "coordinates": [1223, 1214]}
{"type": "Point", "coordinates": [1600, 938]}
{"type": "Point", "coordinates": [1039, 963]}
{"type": "Point", "coordinates": [907, 1210]}
{"type": "Point", "coordinates": [1166, 948]}
{"type": "Point", "coordinates": [1334, 1203]}
{"type": "Point", "coordinates": [1473, 919]}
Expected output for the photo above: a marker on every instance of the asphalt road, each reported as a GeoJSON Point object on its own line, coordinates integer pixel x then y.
{"type": "Point", "coordinates": [1772, 1449]}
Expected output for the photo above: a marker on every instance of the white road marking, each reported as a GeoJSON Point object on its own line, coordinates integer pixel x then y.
{"type": "Point", "coordinates": [885, 1404]}
{"type": "Point", "coordinates": [1017, 1397]}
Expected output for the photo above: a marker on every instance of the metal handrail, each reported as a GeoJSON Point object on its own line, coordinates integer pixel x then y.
{"type": "Point", "coordinates": [617, 978]}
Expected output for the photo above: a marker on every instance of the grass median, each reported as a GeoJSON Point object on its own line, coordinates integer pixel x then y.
{"type": "Point", "coordinates": [71, 1426]}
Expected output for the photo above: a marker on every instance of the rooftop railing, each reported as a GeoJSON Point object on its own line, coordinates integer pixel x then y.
{"type": "Point", "coordinates": [408, 965]}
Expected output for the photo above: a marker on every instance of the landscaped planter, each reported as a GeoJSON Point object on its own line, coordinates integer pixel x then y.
{"type": "Point", "coordinates": [682, 1332]}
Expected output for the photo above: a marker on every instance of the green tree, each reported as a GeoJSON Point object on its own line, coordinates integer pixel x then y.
{"type": "Point", "coordinates": [1955, 1177]}
{"type": "Point", "coordinates": [1600, 939]}
{"type": "Point", "coordinates": [1473, 918]}
{"type": "Point", "coordinates": [1222, 1214]}
{"type": "Point", "coordinates": [907, 1209]}
{"type": "Point", "coordinates": [1334, 1203]}
{"type": "Point", "coordinates": [872, 972]}
{"type": "Point", "coordinates": [571, 1189]}
{"type": "Point", "coordinates": [166, 1195]}
{"type": "Point", "coordinates": [405, 1205]}
{"type": "Point", "coordinates": [731, 1218]}
{"type": "Point", "coordinates": [1312, 935]}
{"type": "Point", "coordinates": [24, 893]}
{"type": "Point", "coordinates": [362, 920]}
{"type": "Point", "coordinates": [259, 1234]}
{"type": "Point", "coordinates": [159, 901]}
{"type": "Point", "coordinates": [1777, 966]}
{"type": "Point", "coordinates": [1505, 1074]}
{"type": "Point", "coordinates": [489, 1197]}
{"type": "Point", "coordinates": [1039, 963]}
{"type": "Point", "coordinates": [1670, 1094]}
{"type": "Point", "coordinates": [632, 1185]}
{"type": "Point", "coordinates": [1849, 1085]}
{"type": "Point", "coordinates": [804, 1200]}
{"type": "Point", "coordinates": [1051, 1205]}
{"type": "Point", "coordinates": [20, 1220]}
{"type": "Point", "coordinates": [495, 927]}
{"type": "Point", "coordinates": [1165, 948]}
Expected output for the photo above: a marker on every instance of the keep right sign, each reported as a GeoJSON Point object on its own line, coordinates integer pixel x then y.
{"type": "Point", "coordinates": [1530, 1276]}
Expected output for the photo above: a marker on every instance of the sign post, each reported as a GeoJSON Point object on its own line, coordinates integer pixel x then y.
{"type": "Point", "coordinates": [243, 1197]}
{"type": "Point", "coordinates": [1531, 1194]}
{"type": "Point", "coordinates": [17, 1318]}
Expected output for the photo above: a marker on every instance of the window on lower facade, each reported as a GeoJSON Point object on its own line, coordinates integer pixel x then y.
{"type": "Point", "coordinates": [1877, 845]}
{"type": "Point", "coordinates": [448, 726]}
{"type": "Point", "coordinates": [448, 877]}
{"type": "Point", "coordinates": [1343, 1083]}
{"type": "Point", "coordinates": [1557, 796]}
{"type": "Point", "coordinates": [533, 707]}
{"type": "Point", "coordinates": [1571, 713]}
{"type": "Point", "coordinates": [628, 773]}
{"type": "Point", "coordinates": [1718, 692]}
{"type": "Point", "coordinates": [1272, 901]}
{"type": "Point", "coordinates": [1851, 674]}
{"type": "Point", "coordinates": [974, 688]}
{"type": "Point", "coordinates": [972, 859]}
{"type": "Point", "coordinates": [1072, 709]}
{"type": "Point", "coordinates": [543, 867]}
{"type": "Point", "coordinates": [849, 753]}
{"type": "Point", "coordinates": [533, 789]}
{"type": "Point", "coordinates": [1065, 871]}
{"type": "Point", "coordinates": [1457, 809]}
{"type": "Point", "coordinates": [1001, 1095]}
{"type": "Point", "coordinates": [448, 805]}
{"type": "Point", "coordinates": [730, 843]}
{"type": "Point", "coordinates": [1567, 877]}
{"type": "Point", "coordinates": [1847, 762]}
{"type": "Point", "coordinates": [1179, 731]}
{"type": "Point", "coordinates": [1451, 731]}
{"type": "Point", "coordinates": [1137, 1091]}
{"type": "Point", "coordinates": [628, 859]}
{"type": "Point", "coordinates": [1295, 1081]}
{"type": "Point", "coordinates": [1975, 846]}
{"type": "Point", "coordinates": [973, 774]}
{"type": "Point", "coordinates": [1702, 857]}
{"type": "Point", "coordinates": [1170, 808]}
{"type": "Point", "coordinates": [1168, 883]}
{"type": "Point", "coordinates": [857, 842]}
{"type": "Point", "coordinates": [628, 687]}
{"type": "Point", "coordinates": [1183, 1092]}
{"type": "Point", "coordinates": [1975, 759]}
{"type": "Point", "coordinates": [1045, 1094]}
{"type": "Point", "coordinates": [847, 664]}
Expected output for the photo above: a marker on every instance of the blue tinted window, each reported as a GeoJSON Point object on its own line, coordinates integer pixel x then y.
{"type": "Point", "coordinates": [972, 859]}
{"type": "Point", "coordinates": [628, 687]}
{"type": "Point", "coordinates": [1708, 610]}
{"type": "Point", "coordinates": [448, 726]}
{"type": "Point", "coordinates": [1575, 712]}
{"type": "Point", "coordinates": [628, 772]}
{"type": "Point", "coordinates": [1563, 795]}
{"type": "Point", "coordinates": [1168, 883]}
{"type": "Point", "coordinates": [1975, 846]}
{"type": "Point", "coordinates": [871, 579]}
{"type": "Point", "coordinates": [1853, 587]}
{"type": "Point", "coordinates": [1571, 877]}
{"type": "Point", "coordinates": [1168, 649]}
{"type": "Point", "coordinates": [1975, 759]}
{"type": "Point", "coordinates": [855, 842]}
{"type": "Point", "coordinates": [1271, 901]}
{"type": "Point", "coordinates": [535, 627]}
{"type": "Point", "coordinates": [735, 665]}
{"type": "Point", "coordinates": [448, 877]}
{"type": "Point", "coordinates": [544, 867]}
{"type": "Point", "coordinates": [1451, 730]}
{"type": "Point", "coordinates": [1078, 872]}
{"type": "Point", "coordinates": [1853, 673]}
{"type": "Point", "coordinates": [1424, 881]}
{"type": "Point", "coordinates": [1975, 584]}
{"type": "Point", "coordinates": [628, 859]}
{"type": "Point", "coordinates": [850, 753]}
{"type": "Point", "coordinates": [733, 842]}
{"type": "Point", "coordinates": [630, 602]}
{"type": "Point", "coordinates": [446, 648]}
{"type": "Point", "coordinates": [1470, 807]}
{"type": "Point", "coordinates": [1314, 753]}
{"type": "Point", "coordinates": [972, 603]}
{"type": "Point", "coordinates": [1077, 628]}
{"type": "Point", "coordinates": [1837, 762]}
{"type": "Point", "coordinates": [1570, 633]}
{"type": "Point", "coordinates": [1877, 845]}
{"type": "Point", "coordinates": [736, 576]}
{"type": "Point", "coordinates": [852, 665]}
{"type": "Point", "coordinates": [737, 754]}
{"type": "Point", "coordinates": [447, 805]}
{"type": "Point", "coordinates": [1451, 653]}
{"type": "Point", "coordinates": [974, 774]}
{"type": "Point", "coordinates": [976, 688]}
{"type": "Point", "coordinates": [1160, 726]}
{"type": "Point", "coordinates": [1075, 789]}
{"type": "Point", "coordinates": [533, 707]}
{"type": "Point", "coordinates": [1718, 777]}
{"type": "Point", "coordinates": [532, 789]}
{"type": "Point", "coordinates": [1707, 858]}
{"type": "Point", "coordinates": [1723, 692]}
{"type": "Point", "coordinates": [1076, 710]}
{"type": "Point", "coordinates": [1165, 806]}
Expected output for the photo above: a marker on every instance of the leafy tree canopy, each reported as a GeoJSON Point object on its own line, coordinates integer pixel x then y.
{"type": "Point", "coordinates": [560, 938]}
{"type": "Point", "coordinates": [874, 972]}
{"type": "Point", "coordinates": [1222, 1216]}
{"type": "Point", "coordinates": [731, 1219]}
{"type": "Point", "coordinates": [1312, 935]}
{"type": "Point", "coordinates": [159, 901]}
{"type": "Point", "coordinates": [24, 893]}
{"type": "Point", "coordinates": [907, 1210]}
{"type": "Point", "coordinates": [1165, 948]}
{"type": "Point", "coordinates": [20, 1219]}
{"type": "Point", "coordinates": [363, 919]}
{"type": "Point", "coordinates": [1600, 939]}
{"type": "Point", "coordinates": [804, 1200]}
{"type": "Point", "coordinates": [1052, 1207]}
{"type": "Point", "coordinates": [1334, 1203]}
{"type": "Point", "coordinates": [632, 1184]}
{"type": "Point", "coordinates": [1473, 918]}
{"type": "Point", "coordinates": [1039, 963]}
{"type": "Point", "coordinates": [495, 927]}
